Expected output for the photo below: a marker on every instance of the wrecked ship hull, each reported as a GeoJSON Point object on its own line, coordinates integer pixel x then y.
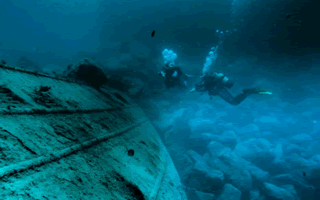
{"type": "Point", "coordinates": [74, 142]}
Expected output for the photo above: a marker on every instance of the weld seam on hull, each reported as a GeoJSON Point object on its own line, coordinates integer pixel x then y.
{"type": "Point", "coordinates": [155, 192]}
{"type": "Point", "coordinates": [42, 160]}
{"type": "Point", "coordinates": [45, 112]}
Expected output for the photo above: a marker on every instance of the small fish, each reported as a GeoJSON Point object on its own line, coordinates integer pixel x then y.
{"type": "Point", "coordinates": [153, 32]}
{"type": "Point", "coordinates": [288, 16]}
{"type": "Point", "coordinates": [304, 174]}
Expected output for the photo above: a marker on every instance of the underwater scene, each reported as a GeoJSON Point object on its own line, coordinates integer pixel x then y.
{"type": "Point", "coordinates": [159, 100]}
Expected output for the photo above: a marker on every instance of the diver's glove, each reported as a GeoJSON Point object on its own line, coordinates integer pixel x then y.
{"type": "Point", "coordinates": [162, 74]}
{"type": "Point", "coordinates": [256, 91]}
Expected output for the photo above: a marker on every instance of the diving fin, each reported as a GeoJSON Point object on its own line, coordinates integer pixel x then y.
{"type": "Point", "coordinates": [261, 91]}
{"type": "Point", "coordinates": [256, 91]}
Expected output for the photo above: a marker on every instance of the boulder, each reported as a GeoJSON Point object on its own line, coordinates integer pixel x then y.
{"type": "Point", "coordinates": [88, 72]}
{"type": "Point", "coordinates": [256, 150]}
{"type": "Point", "coordinates": [257, 174]}
{"type": "Point", "coordinates": [313, 148]}
{"type": "Point", "coordinates": [180, 159]}
{"type": "Point", "coordinates": [292, 190]}
{"type": "Point", "coordinates": [199, 142]}
{"type": "Point", "coordinates": [304, 190]}
{"type": "Point", "coordinates": [230, 193]}
{"type": "Point", "coordinates": [222, 126]}
{"type": "Point", "coordinates": [240, 172]}
{"type": "Point", "coordinates": [248, 131]}
{"type": "Point", "coordinates": [205, 196]}
{"type": "Point", "coordinates": [277, 152]}
{"type": "Point", "coordinates": [204, 179]}
{"type": "Point", "coordinates": [278, 193]}
{"type": "Point", "coordinates": [228, 138]}
{"type": "Point", "coordinates": [255, 195]}
{"type": "Point", "coordinates": [253, 147]}
{"type": "Point", "coordinates": [195, 157]}
{"type": "Point", "coordinates": [267, 120]}
{"type": "Point", "coordinates": [223, 159]}
{"type": "Point", "coordinates": [314, 160]}
{"type": "Point", "coordinates": [303, 137]}
{"type": "Point", "coordinates": [293, 148]}
{"type": "Point", "coordinates": [314, 174]}
{"type": "Point", "coordinates": [303, 140]}
{"type": "Point", "coordinates": [177, 132]}
{"type": "Point", "coordinates": [201, 125]}
{"type": "Point", "coordinates": [295, 161]}
{"type": "Point", "coordinates": [315, 128]}
{"type": "Point", "coordinates": [215, 149]}
{"type": "Point", "coordinates": [194, 194]}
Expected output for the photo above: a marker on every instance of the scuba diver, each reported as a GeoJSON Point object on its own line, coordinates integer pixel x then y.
{"type": "Point", "coordinates": [174, 77]}
{"type": "Point", "coordinates": [218, 83]}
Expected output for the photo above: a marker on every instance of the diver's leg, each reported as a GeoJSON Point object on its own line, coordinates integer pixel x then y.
{"type": "Point", "coordinates": [225, 95]}
{"type": "Point", "coordinates": [239, 98]}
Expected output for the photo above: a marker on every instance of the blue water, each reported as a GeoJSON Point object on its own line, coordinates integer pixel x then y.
{"type": "Point", "coordinates": [271, 143]}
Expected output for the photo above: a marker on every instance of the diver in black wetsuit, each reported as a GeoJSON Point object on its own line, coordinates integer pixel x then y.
{"type": "Point", "coordinates": [174, 77]}
{"type": "Point", "coordinates": [217, 84]}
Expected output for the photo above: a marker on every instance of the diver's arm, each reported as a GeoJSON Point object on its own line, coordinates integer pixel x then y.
{"type": "Point", "coordinates": [162, 74]}
{"type": "Point", "coordinates": [195, 89]}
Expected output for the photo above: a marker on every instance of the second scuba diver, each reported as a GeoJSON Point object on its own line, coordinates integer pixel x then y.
{"type": "Point", "coordinates": [174, 77]}
{"type": "Point", "coordinates": [217, 84]}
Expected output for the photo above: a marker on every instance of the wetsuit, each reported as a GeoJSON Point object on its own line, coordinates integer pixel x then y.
{"type": "Point", "coordinates": [173, 77]}
{"type": "Point", "coordinates": [216, 86]}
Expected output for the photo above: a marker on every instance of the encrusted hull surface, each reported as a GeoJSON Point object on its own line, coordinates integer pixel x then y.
{"type": "Point", "coordinates": [61, 139]}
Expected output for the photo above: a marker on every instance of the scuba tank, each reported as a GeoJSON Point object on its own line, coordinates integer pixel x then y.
{"type": "Point", "coordinates": [223, 80]}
